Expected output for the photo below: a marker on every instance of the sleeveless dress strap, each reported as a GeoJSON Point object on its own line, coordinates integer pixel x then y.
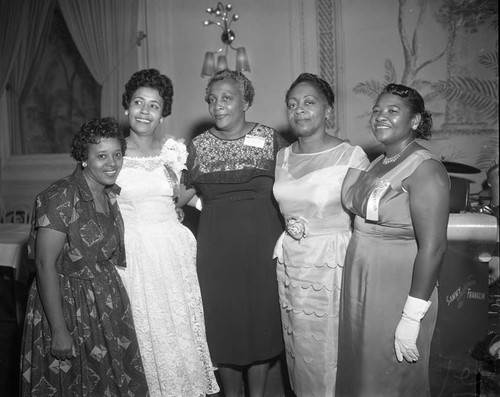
{"type": "Point", "coordinates": [397, 175]}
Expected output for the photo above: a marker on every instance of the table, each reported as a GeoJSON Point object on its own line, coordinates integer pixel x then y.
{"type": "Point", "coordinates": [16, 272]}
{"type": "Point", "coordinates": [13, 239]}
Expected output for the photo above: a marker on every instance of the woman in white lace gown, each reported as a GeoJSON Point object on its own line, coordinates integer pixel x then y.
{"type": "Point", "coordinates": [160, 276]}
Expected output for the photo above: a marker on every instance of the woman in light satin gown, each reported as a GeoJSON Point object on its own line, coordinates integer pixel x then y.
{"type": "Point", "coordinates": [309, 175]}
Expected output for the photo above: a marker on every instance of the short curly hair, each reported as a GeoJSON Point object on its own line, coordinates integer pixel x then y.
{"type": "Point", "coordinates": [320, 84]}
{"type": "Point", "coordinates": [245, 86]}
{"type": "Point", "coordinates": [150, 78]}
{"type": "Point", "coordinates": [91, 133]}
{"type": "Point", "coordinates": [416, 105]}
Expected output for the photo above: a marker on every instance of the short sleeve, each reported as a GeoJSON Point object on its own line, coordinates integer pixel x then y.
{"type": "Point", "coordinates": [53, 209]}
{"type": "Point", "coordinates": [359, 159]}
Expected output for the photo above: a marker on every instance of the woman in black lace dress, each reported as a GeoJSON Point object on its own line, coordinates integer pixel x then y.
{"type": "Point", "coordinates": [231, 166]}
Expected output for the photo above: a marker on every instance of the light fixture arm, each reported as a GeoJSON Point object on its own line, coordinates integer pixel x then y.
{"type": "Point", "coordinates": [223, 14]}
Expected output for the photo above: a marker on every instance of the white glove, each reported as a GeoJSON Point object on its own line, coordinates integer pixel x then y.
{"type": "Point", "coordinates": [405, 340]}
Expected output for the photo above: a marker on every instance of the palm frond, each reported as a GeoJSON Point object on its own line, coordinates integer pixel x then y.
{"type": "Point", "coordinates": [490, 61]}
{"type": "Point", "coordinates": [372, 88]}
{"type": "Point", "coordinates": [494, 24]}
{"type": "Point", "coordinates": [418, 84]}
{"type": "Point", "coordinates": [390, 75]}
{"type": "Point", "coordinates": [480, 94]}
{"type": "Point", "coordinates": [489, 154]}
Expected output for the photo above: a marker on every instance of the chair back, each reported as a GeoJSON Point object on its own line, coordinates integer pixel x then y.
{"type": "Point", "coordinates": [19, 214]}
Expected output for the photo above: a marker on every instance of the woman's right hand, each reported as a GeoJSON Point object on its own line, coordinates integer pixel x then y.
{"type": "Point", "coordinates": [62, 345]}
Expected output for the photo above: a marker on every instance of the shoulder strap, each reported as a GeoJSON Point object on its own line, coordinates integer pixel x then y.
{"type": "Point", "coordinates": [398, 174]}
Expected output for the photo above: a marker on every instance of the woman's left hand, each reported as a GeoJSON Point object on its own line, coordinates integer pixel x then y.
{"type": "Point", "coordinates": [405, 339]}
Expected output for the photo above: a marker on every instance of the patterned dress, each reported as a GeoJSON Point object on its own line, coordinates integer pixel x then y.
{"type": "Point", "coordinates": [309, 270]}
{"type": "Point", "coordinates": [161, 276]}
{"type": "Point", "coordinates": [95, 303]}
{"type": "Point", "coordinates": [377, 278]}
{"type": "Point", "coordinates": [239, 225]}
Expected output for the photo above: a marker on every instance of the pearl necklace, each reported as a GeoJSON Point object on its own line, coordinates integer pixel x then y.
{"type": "Point", "coordinates": [390, 160]}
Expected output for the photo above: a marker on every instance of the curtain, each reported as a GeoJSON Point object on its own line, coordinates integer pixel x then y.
{"type": "Point", "coordinates": [105, 33]}
{"type": "Point", "coordinates": [11, 14]}
{"type": "Point", "coordinates": [38, 20]}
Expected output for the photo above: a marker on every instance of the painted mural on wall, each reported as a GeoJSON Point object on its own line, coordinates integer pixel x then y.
{"type": "Point", "coordinates": [467, 100]}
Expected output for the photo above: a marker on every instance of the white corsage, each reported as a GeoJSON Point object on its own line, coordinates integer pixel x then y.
{"type": "Point", "coordinates": [297, 228]}
{"type": "Point", "coordinates": [175, 154]}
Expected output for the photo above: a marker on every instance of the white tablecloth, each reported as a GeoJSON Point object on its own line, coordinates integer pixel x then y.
{"type": "Point", "coordinates": [13, 239]}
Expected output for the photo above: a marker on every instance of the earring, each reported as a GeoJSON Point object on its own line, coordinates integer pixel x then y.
{"type": "Point", "coordinates": [414, 127]}
{"type": "Point", "coordinates": [84, 164]}
{"type": "Point", "coordinates": [126, 112]}
{"type": "Point", "coordinates": [161, 120]}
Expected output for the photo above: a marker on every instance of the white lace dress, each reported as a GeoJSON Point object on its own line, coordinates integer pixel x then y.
{"type": "Point", "coordinates": [161, 279]}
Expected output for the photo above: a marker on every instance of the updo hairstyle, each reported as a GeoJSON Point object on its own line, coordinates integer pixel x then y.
{"type": "Point", "coordinates": [150, 78]}
{"type": "Point", "coordinates": [238, 78]}
{"type": "Point", "coordinates": [320, 84]}
{"type": "Point", "coordinates": [416, 105]}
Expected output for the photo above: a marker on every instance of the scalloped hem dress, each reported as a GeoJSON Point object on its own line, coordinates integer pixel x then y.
{"type": "Point", "coordinates": [310, 270]}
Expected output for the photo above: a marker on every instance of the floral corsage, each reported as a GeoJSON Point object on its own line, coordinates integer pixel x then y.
{"type": "Point", "coordinates": [175, 154]}
{"type": "Point", "coordinates": [297, 228]}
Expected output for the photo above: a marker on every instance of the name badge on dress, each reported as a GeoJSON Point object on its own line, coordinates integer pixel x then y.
{"type": "Point", "coordinates": [374, 200]}
{"type": "Point", "coordinates": [255, 141]}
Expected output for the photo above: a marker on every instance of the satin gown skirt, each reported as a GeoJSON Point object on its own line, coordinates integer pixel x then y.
{"type": "Point", "coordinates": [377, 276]}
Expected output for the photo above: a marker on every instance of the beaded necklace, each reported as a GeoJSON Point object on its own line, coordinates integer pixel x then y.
{"type": "Point", "coordinates": [390, 160]}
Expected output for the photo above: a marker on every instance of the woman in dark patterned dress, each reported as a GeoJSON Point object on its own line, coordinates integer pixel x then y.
{"type": "Point", "coordinates": [79, 337]}
{"type": "Point", "coordinates": [232, 167]}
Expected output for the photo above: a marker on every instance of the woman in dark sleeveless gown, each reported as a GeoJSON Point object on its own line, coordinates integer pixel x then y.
{"type": "Point", "coordinates": [389, 295]}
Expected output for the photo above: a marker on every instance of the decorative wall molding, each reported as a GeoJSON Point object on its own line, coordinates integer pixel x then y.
{"type": "Point", "coordinates": [317, 46]}
{"type": "Point", "coordinates": [304, 38]}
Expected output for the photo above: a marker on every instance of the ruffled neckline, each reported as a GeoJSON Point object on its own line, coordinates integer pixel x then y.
{"type": "Point", "coordinates": [156, 156]}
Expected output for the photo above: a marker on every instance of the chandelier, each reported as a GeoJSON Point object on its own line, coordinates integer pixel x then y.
{"type": "Point", "coordinates": [222, 13]}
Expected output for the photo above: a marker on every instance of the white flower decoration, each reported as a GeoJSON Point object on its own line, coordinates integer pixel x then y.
{"type": "Point", "coordinates": [297, 228]}
{"type": "Point", "coordinates": [176, 154]}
